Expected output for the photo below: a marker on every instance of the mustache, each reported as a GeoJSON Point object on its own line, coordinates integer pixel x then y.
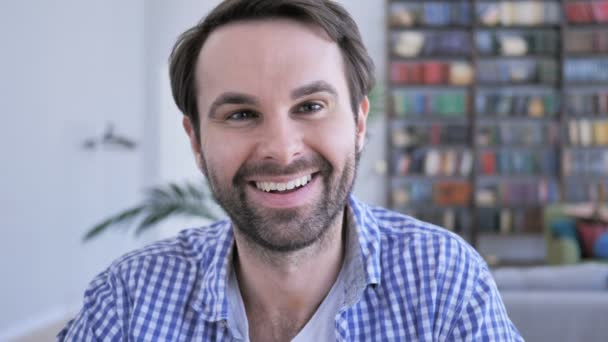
{"type": "Point", "coordinates": [271, 168]}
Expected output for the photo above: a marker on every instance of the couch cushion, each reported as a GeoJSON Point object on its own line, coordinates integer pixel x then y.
{"type": "Point", "coordinates": [600, 248]}
{"type": "Point", "coordinates": [582, 277]}
{"type": "Point", "coordinates": [559, 315]}
{"type": "Point", "coordinates": [589, 232]}
{"type": "Point", "coordinates": [563, 228]}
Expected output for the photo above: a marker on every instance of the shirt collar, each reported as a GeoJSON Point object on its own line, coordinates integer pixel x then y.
{"type": "Point", "coordinates": [362, 262]}
{"type": "Point", "coordinates": [209, 299]}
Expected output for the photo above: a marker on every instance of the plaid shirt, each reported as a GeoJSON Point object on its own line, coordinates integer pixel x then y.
{"type": "Point", "coordinates": [407, 281]}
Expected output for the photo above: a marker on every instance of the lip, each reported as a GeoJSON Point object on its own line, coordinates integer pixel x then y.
{"type": "Point", "coordinates": [297, 198]}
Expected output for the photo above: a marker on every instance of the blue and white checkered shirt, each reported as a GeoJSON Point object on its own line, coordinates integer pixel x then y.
{"type": "Point", "coordinates": [407, 281]}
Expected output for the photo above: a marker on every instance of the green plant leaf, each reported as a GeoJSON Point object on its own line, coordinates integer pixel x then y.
{"type": "Point", "coordinates": [152, 217]}
{"type": "Point", "coordinates": [161, 203]}
{"type": "Point", "coordinates": [123, 217]}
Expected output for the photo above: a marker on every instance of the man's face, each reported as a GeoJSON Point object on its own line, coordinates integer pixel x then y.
{"type": "Point", "coordinates": [279, 141]}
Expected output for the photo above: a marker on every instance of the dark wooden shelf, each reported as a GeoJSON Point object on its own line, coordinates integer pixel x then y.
{"type": "Point", "coordinates": [586, 83]}
{"type": "Point", "coordinates": [425, 85]}
{"type": "Point", "coordinates": [581, 55]}
{"type": "Point", "coordinates": [518, 27]}
{"type": "Point", "coordinates": [511, 234]}
{"type": "Point", "coordinates": [587, 147]}
{"type": "Point", "coordinates": [429, 206]}
{"type": "Point", "coordinates": [493, 118]}
{"type": "Point", "coordinates": [513, 57]}
{"type": "Point", "coordinates": [516, 84]}
{"type": "Point", "coordinates": [586, 26]}
{"type": "Point", "coordinates": [440, 58]}
{"type": "Point", "coordinates": [450, 27]}
{"type": "Point", "coordinates": [586, 177]}
{"type": "Point", "coordinates": [546, 146]}
{"type": "Point", "coordinates": [495, 1]}
{"type": "Point", "coordinates": [516, 263]}
{"type": "Point", "coordinates": [511, 206]}
{"type": "Point", "coordinates": [421, 177]}
{"type": "Point", "coordinates": [430, 119]}
{"type": "Point", "coordinates": [512, 178]}
{"type": "Point", "coordinates": [441, 147]}
{"type": "Point", "coordinates": [589, 116]}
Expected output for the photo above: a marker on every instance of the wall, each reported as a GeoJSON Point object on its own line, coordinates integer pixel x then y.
{"type": "Point", "coordinates": [370, 16]}
{"type": "Point", "coordinates": [168, 156]}
{"type": "Point", "coordinates": [67, 68]}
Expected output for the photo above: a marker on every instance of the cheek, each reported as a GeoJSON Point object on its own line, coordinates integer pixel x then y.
{"type": "Point", "coordinates": [336, 142]}
{"type": "Point", "coordinates": [223, 156]}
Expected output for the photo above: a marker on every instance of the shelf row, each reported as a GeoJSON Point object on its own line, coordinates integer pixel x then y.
{"type": "Point", "coordinates": [496, 13]}
{"type": "Point", "coordinates": [508, 102]}
{"type": "Point", "coordinates": [491, 193]}
{"type": "Point", "coordinates": [503, 72]}
{"type": "Point", "coordinates": [434, 162]}
{"type": "Point", "coordinates": [536, 43]}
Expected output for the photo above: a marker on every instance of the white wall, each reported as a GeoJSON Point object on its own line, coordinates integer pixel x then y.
{"type": "Point", "coordinates": [370, 16]}
{"type": "Point", "coordinates": [67, 68]}
{"type": "Point", "coordinates": [169, 158]}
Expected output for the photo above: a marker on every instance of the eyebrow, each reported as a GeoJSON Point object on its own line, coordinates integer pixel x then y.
{"type": "Point", "coordinates": [312, 88]}
{"type": "Point", "coordinates": [232, 98]}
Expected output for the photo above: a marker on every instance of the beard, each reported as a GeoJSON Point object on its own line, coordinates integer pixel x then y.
{"type": "Point", "coordinates": [291, 229]}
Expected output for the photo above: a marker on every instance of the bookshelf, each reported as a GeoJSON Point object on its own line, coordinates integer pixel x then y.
{"type": "Point", "coordinates": [584, 163]}
{"type": "Point", "coordinates": [495, 109]}
{"type": "Point", "coordinates": [431, 76]}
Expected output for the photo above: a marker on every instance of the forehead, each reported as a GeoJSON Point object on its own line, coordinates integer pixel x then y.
{"type": "Point", "coordinates": [267, 55]}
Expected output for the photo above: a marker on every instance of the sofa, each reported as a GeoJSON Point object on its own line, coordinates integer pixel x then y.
{"type": "Point", "coordinates": [567, 303]}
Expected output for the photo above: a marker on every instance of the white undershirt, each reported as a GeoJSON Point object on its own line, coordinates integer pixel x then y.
{"type": "Point", "coordinates": [321, 326]}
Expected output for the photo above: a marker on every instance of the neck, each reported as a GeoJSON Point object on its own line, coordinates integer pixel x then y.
{"type": "Point", "coordinates": [279, 285]}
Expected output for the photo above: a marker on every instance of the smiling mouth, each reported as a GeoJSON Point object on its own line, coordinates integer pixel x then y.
{"type": "Point", "coordinates": [286, 187]}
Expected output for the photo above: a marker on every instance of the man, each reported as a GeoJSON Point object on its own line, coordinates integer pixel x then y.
{"type": "Point", "coordinates": [274, 100]}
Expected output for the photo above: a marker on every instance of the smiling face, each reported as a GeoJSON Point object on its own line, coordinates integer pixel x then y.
{"type": "Point", "coordinates": [279, 141]}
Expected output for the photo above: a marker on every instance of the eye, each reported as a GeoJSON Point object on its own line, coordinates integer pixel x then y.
{"type": "Point", "coordinates": [309, 107]}
{"type": "Point", "coordinates": [241, 115]}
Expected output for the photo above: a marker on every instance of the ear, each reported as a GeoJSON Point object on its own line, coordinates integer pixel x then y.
{"type": "Point", "coordinates": [194, 143]}
{"type": "Point", "coordinates": [362, 123]}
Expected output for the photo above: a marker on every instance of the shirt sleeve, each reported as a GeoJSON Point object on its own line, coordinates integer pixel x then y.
{"type": "Point", "coordinates": [99, 318]}
{"type": "Point", "coordinates": [483, 316]}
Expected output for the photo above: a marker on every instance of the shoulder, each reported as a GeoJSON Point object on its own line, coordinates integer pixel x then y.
{"type": "Point", "coordinates": [397, 229]}
{"type": "Point", "coordinates": [158, 277]}
{"type": "Point", "coordinates": [189, 245]}
{"type": "Point", "coordinates": [181, 257]}
{"type": "Point", "coordinates": [425, 249]}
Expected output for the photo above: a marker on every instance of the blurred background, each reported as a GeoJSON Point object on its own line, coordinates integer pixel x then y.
{"type": "Point", "coordinates": [490, 119]}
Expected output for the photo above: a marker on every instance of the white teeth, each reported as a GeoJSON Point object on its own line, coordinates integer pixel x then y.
{"type": "Point", "coordinates": [271, 186]}
{"type": "Point", "coordinates": [291, 185]}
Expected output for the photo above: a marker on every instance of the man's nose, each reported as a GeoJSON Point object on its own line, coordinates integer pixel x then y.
{"type": "Point", "coordinates": [281, 141]}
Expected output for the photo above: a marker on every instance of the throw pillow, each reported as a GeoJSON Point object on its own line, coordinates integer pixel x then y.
{"type": "Point", "coordinates": [589, 232]}
{"type": "Point", "coordinates": [563, 228]}
{"type": "Point", "coordinates": [600, 248]}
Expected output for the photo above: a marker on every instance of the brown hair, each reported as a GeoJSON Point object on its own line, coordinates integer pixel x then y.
{"type": "Point", "coordinates": [327, 14]}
